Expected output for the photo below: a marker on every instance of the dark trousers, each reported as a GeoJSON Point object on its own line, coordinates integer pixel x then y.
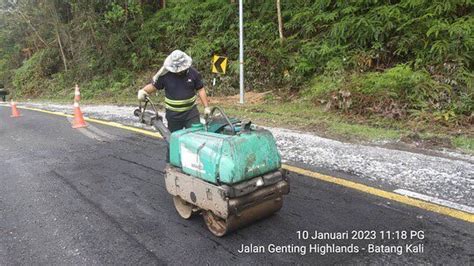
{"type": "Point", "coordinates": [174, 125]}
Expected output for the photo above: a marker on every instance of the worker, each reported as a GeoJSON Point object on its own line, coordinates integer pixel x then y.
{"type": "Point", "coordinates": [181, 83]}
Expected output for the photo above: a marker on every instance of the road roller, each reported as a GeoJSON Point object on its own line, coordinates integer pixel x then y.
{"type": "Point", "coordinates": [225, 169]}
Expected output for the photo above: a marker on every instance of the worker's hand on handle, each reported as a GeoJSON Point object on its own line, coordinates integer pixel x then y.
{"type": "Point", "coordinates": [207, 112]}
{"type": "Point", "coordinates": [142, 95]}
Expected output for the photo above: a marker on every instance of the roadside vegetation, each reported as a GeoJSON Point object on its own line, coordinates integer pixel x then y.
{"type": "Point", "coordinates": [371, 68]}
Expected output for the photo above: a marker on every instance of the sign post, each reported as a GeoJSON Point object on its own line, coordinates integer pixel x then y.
{"type": "Point", "coordinates": [241, 48]}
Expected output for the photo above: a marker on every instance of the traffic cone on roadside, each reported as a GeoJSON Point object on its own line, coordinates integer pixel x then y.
{"type": "Point", "coordinates": [15, 112]}
{"type": "Point", "coordinates": [77, 94]}
{"type": "Point", "coordinates": [78, 117]}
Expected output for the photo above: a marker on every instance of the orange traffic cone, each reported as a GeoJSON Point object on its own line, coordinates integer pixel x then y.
{"type": "Point", "coordinates": [78, 117]}
{"type": "Point", "coordinates": [15, 112]}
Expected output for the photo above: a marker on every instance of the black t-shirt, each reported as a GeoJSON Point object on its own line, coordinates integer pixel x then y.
{"type": "Point", "coordinates": [180, 86]}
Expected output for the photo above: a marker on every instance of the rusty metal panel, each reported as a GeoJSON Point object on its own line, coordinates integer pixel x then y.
{"type": "Point", "coordinates": [196, 191]}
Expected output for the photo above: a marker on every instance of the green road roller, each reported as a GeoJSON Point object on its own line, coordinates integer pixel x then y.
{"type": "Point", "coordinates": [226, 169]}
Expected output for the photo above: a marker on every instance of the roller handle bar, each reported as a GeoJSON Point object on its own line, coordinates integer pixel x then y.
{"type": "Point", "coordinates": [152, 118]}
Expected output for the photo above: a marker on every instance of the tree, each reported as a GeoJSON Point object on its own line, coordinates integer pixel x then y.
{"type": "Point", "coordinates": [280, 21]}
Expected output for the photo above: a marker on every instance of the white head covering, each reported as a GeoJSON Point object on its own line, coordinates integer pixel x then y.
{"type": "Point", "coordinates": [176, 62]}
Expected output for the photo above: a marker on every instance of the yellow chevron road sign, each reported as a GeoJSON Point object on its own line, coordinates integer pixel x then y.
{"type": "Point", "coordinates": [219, 64]}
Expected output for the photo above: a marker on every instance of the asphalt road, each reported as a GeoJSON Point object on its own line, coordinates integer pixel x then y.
{"type": "Point", "coordinates": [97, 196]}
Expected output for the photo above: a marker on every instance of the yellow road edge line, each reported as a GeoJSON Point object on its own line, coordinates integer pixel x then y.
{"type": "Point", "coordinates": [330, 179]}
{"type": "Point", "coordinates": [118, 125]}
{"type": "Point", "coordinates": [45, 111]}
{"type": "Point", "coordinates": [98, 121]}
{"type": "Point", "coordinates": [385, 194]}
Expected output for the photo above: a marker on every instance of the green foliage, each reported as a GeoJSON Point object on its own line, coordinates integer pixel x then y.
{"type": "Point", "coordinates": [31, 75]}
{"type": "Point", "coordinates": [395, 82]}
{"type": "Point", "coordinates": [399, 92]}
{"type": "Point", "coordinates": [404, 58]}
{"type": "Point", "coordinates": [464, 143]}
{"type": "Point", "coordinates": [322, 86]}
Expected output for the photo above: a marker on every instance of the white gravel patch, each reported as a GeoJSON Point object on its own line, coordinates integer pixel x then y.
{"type": "Point", "coordinates": [450, 179]}
{"type": "Point", "coordinates": [445, 178]}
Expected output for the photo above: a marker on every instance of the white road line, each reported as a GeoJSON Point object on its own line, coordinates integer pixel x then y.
{"type": "Point", "coordinates": [90, 134]}
{"type": "Point", "coordinates": [87, 133]}
{"type": "Point", "coordinates": [101, 133]}
{"type": "Point", "coordinates": [443, 202]}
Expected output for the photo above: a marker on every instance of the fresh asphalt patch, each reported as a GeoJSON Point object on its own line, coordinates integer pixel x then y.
{"type": "Point", "coordinates": [67, 198]}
